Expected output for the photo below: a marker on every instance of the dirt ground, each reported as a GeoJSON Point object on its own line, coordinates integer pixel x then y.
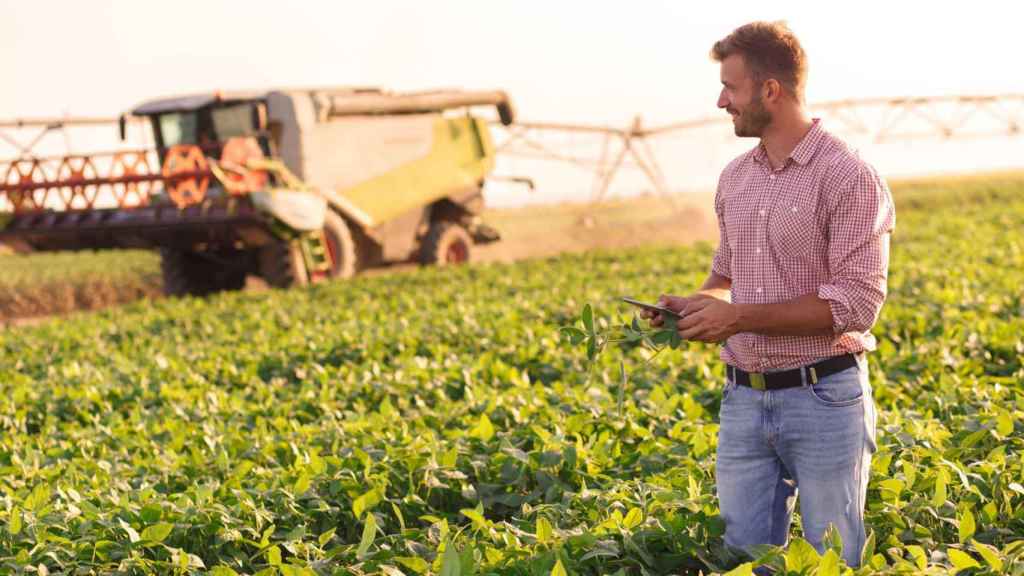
{"type": "Point", "coordinates": [546, 230]}
{"type": "Point", "coordinates": [539, 231]}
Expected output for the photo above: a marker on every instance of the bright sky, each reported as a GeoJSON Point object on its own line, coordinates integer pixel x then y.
{"type": "Point", "coordinates": [567, 60]}
{"type": "Point", "coordinates": [573, 60]}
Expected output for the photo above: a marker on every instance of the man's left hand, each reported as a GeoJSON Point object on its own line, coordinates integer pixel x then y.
{"type": "Point", "coordinates": [708, 320]}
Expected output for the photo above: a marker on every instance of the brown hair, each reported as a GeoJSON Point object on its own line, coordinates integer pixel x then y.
{"type": "Point", "coordinates": [770, 50]}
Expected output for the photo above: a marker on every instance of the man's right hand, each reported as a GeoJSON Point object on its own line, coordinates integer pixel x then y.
{"type": "Point", "coordinates": [678, 304]}
{"type": "Point", "coordinates": [674, 303]}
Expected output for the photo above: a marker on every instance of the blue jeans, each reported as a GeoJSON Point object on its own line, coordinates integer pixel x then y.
{"type": "Point", "coordinates": [818, 438]}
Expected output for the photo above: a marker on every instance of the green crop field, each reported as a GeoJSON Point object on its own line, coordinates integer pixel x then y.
{"type": "Point", "coordinates": [440, 422]}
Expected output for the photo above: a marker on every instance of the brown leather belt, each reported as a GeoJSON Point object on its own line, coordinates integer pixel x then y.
{"type": "Point", "coordinates": [791, 378]}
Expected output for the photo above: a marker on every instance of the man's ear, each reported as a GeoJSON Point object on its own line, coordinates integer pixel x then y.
{"type": "Point", "coordinates": [771, 90]}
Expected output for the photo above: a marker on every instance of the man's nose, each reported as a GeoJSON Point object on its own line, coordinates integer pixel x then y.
{"type": "Point", "coordinates": [723, 102]}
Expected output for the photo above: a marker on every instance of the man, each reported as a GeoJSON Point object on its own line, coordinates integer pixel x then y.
{"type": "Point", "coordinates": [796, 284]}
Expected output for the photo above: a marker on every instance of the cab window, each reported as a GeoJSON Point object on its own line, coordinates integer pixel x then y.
{"type": "Point", "coordinates": [233, 121]}
{"type": "Point", "coordinates": [178, 128]}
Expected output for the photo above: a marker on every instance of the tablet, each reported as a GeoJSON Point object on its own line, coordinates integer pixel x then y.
{"type": "Point", "coordinates": [651, 307]}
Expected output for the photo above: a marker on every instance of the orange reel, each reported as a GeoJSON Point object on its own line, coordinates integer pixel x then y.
{"type": "Point", "coordinates": [28, 175]}
{"type": "Point", "coordinates": [239, 178]}
{"type": "Point", "coordinates": [186, 174]}
{"type": "Point", "coordinates": [72, 174]}
{"type": "Point", "coordinates": [130, 194]}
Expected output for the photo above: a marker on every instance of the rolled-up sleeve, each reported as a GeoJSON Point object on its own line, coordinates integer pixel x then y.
{"type": "Point", "coordinates": [722, 262]}
{"type": "Point", "coordinates": [861, 220]}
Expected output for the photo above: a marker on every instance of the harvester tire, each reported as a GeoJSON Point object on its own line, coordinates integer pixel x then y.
{"type": "Point", "coordinates": [342, 247]}
{"type": "Point", "coordinates": [446, 244]}
{"type": "Point", "coordinates": [190, 274]}
{"type": "Point", "coordinates": [282, 264]}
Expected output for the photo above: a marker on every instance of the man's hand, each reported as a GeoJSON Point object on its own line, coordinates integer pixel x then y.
{"type": "Point", "coordinates": [708, 319]}
{"type": "Point", "coordinates": [676, 304]}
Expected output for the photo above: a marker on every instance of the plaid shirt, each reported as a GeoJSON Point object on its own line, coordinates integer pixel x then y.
{"type": "Point", "coordinates": [819, 224]}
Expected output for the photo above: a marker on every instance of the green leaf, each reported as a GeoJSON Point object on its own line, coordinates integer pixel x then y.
{"type": "Point", "coordinates": [575, 335]}
{"type": "Point", "coordinates": [1004, 423]}
{"type": "Point", "coordinates": [990, 554]}
{"type": "Point", "coordinates": [910, 473]}
{"type": "Point", "coordinates": [133, 536]}
{"type": "Point", "coordinates": [326, 537]}
{"type": "Point", "coordinates": [369, 532]}
{"type": "Point", "coordinates": [467, 562]}
{"type": "Point", "coordinates": [450, 563]}
{"type": "Point", "coordinates": [919, 556]}
{"type": "Point", "coordinates": [222, 571]}
{"type": "Point", "coordinates": [829, 565]}
{"type": "Point", "coordinates": [157, 532]}
{"type": "Point", "coordinates": [450, 458]}
{"type": "Point", "coordinates": [151, 513]}
{"type": "Point", "coordinates": [745, 569]}
{"type": "Point", "coordinates": [302, 484]}
{"type": "Point", "coordinates": [274, 556]}
{"type": "Point", "coordinates": [267, 533]}
{"type": "Point", "coordinates": [14, 524]}
{"type": "Point", "coordinates": [544, 532]}
{"type": "Point", "coordinates": [801, 556]}
{"type": "Point", "coordinates": [588, 319]}
{"type": "Point", "coordinates": [398, 514]}
{"type": "Point", "coordinates": [939, 497]}
{"type": "Point", "coordinates": [483, 430]}
{"type": "Point", "coordinates": [365, 502]}
{"type": "Point", "coordinates": [961, 560]}
{"type": "Point", "coordinates": [966, 526]}
{"type": "Point", "coordinates": [477, 516]}
{"type": "Point", "coordinates": [558, 569]}
{"type": "Point", "coordinates": [662, 337]}
{"type": "Point", "coordinates": [633, 518]}
{"type": "Point", "coordinates": [39, 497]}
{"type": "Point", "coordinates": [414, 563]}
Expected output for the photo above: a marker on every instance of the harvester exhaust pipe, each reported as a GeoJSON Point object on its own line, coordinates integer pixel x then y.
{"type": "Point", "coordinates": [349, 104]}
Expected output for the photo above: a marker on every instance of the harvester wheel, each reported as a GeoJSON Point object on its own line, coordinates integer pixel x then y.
{"type": "Point", "coordinates": [341, 249]}
{"type": "Point", "coordinates": [283, 263]}
{"type": "Point", "coordinates": [446, 244]}
{"type": "Point", "coordinates": [190, 274]}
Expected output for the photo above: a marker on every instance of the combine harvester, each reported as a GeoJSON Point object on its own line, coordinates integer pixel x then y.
{"type": "Point", "coordinates": [295, 186]}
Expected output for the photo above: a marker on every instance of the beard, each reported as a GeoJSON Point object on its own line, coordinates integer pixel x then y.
{"type": "Point", "coordinates": [752, 121]}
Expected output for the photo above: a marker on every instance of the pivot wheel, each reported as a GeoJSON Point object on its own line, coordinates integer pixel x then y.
{"type": "Point", "coordinates": [446, 244]}
{"type": "Point", "coordinates": [332, 253]}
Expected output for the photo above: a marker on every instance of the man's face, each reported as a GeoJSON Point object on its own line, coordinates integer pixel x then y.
{"type": "Point", "coordinates": [741, 98]}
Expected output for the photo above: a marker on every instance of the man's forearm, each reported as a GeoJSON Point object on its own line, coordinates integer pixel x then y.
{"type": "Point", "coordinates": [807, 315]}
{"type": "Point", "coordinates": [718, 286]}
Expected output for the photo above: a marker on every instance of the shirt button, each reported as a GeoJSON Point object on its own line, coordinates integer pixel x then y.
{"type": "Point", "coordinates": [759, 290]}
{"type": "Point", "coordinates": [771, 176]}
{"type": "Point", "coordinates": [758, 250]}
{"type": "Point", "coordinates": [761, 212]}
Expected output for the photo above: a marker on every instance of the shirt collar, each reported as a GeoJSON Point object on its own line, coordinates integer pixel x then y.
{"type": "Point", "coordinates": [804, 150]}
